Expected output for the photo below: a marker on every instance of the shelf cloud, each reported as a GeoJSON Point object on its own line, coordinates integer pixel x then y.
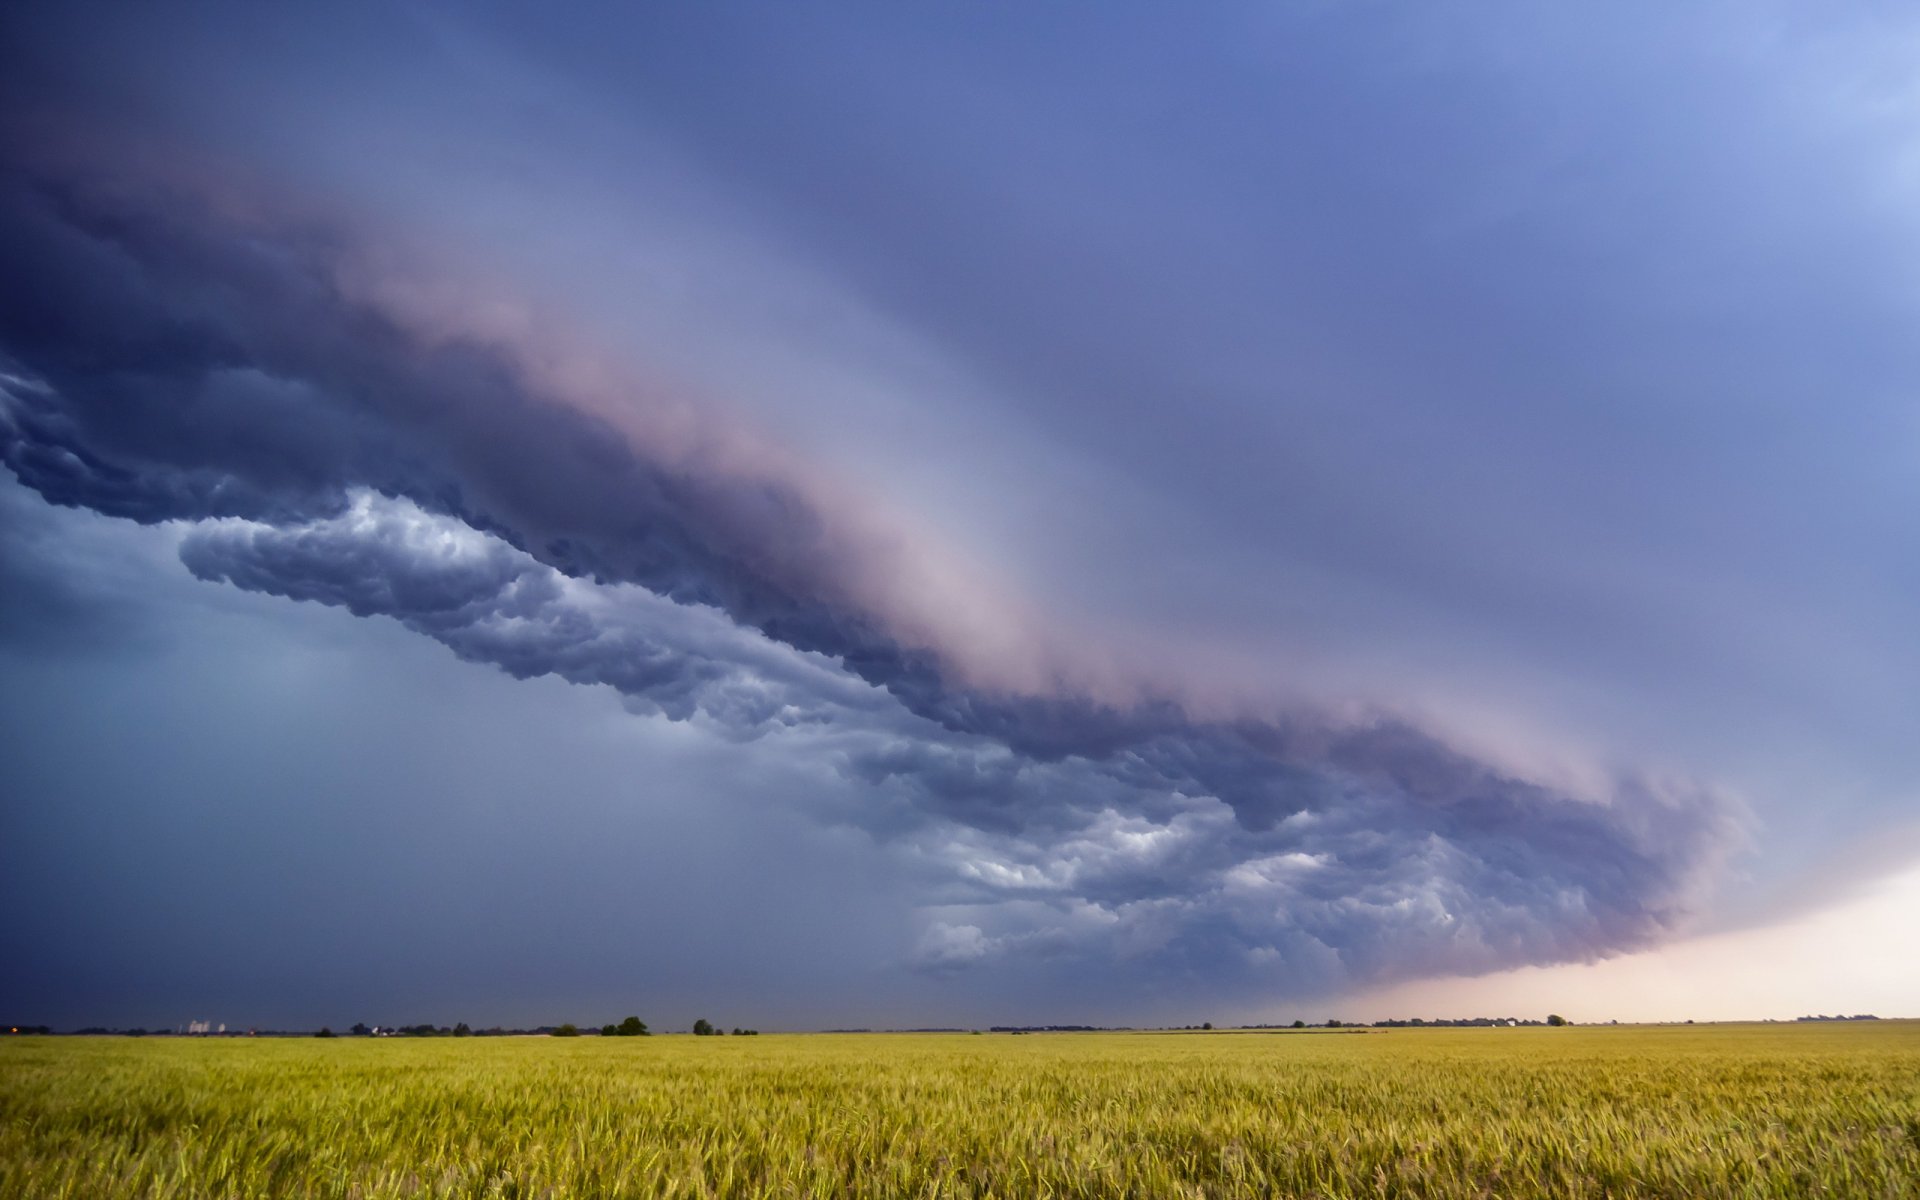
{"type": "Point", "coordinates": [326, 431]}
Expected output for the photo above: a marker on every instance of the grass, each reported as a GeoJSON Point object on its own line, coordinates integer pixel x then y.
{"type": "Point", "coordinates": [1704, 1111]}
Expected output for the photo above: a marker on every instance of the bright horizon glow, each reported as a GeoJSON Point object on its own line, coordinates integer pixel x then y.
{"type": "Point", "coordinates": [1841, 960]}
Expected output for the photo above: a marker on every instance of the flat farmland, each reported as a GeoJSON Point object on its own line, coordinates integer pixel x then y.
{"type": "Point", "coordinates": [1668, 1111]}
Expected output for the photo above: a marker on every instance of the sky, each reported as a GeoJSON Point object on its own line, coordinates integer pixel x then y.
{"type": "Point", "coordinates": [896, 515]}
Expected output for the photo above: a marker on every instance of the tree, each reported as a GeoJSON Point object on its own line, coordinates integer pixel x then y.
{"type": "Point", "coordinates": [360, 1029]}
{"type": "Point", "coordinates": [1299, 1024]}
{"type": "Point", "coordinates": [324, 1032]}
{"type": "Point", "coordinates": [567, 1030]}
{"type": "Point", "coordinates": [1556, 1019]}
{"type": "Point", "coordinates": [631, 1027]}
{"type": "Point", "coordinates": [703, 1028]}
{"type": "Point", "coordinates": [1206, 1024]}
{"type": "Point", "coordinates": [461, 1030]}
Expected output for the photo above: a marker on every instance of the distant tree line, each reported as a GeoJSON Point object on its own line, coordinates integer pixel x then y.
{"type": "Point", "coordinates": [362, 1029]}
{"type": "Point", "coordinates": [1044, 1029]}
{"type": "Point", "coordinates": [706, 1028]}
{"type": "Point", "coordinates": [626, 1027]}
{"type": "Point", "coordinates": [635, 1027]}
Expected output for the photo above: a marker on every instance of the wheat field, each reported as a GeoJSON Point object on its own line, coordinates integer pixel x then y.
{"type": "Point", "coordinates": [1668, 1111]}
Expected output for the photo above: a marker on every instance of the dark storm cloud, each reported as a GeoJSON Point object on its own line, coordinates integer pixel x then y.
{"type": "Point", "coordinates": [323, 441]}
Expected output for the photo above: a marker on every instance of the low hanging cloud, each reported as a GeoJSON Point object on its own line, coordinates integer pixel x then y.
{"type": "Point", "coordinates": [330, 433]}
{"type": "Point", "coordinates": [490, 603]}
{"type": "Point", "coordinates": [1383, 855]}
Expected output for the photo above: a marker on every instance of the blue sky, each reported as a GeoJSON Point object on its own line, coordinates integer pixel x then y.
{"type": "Point", "coordinates": [890, 515]}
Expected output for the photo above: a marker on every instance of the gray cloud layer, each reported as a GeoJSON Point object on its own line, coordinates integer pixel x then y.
{"type": "Point", "coordinates": [171, 363]}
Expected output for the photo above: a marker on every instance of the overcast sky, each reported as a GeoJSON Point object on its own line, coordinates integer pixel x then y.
{"type": "Point", "coordinates": [912, 515]}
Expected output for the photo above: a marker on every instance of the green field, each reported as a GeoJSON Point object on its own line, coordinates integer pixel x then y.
{"type": "Point", "coordinates": [1707, 1111]}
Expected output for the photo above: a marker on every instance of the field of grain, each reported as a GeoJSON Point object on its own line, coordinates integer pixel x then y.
{"type": "Point", "coordinates": [1708, 1111]}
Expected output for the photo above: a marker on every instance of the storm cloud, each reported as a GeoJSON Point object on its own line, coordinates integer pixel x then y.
{"type": "Point", "coordinates": [326, 425]}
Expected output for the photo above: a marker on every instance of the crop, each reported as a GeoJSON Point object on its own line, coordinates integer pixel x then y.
{"type": "Point", "coordinates": [1668, 1111]}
